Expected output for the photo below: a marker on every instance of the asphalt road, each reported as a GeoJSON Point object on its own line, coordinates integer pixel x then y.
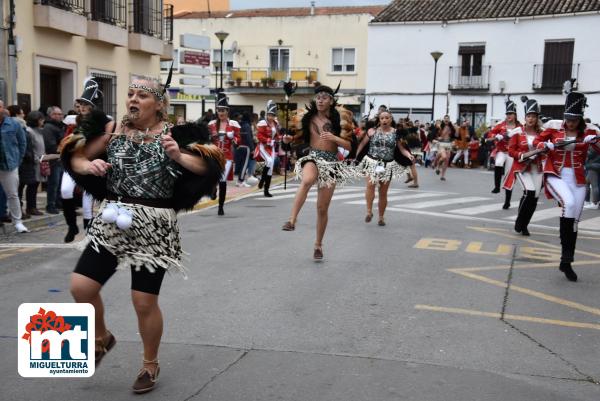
{"type": "Point", "coordinates": [443, 303]}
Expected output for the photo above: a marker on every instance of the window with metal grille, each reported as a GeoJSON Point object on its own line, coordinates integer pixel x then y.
{"type": "Point", "coordinates": [108, 86]}
{"type": "Point", "coordinates": [146, 17]}
{"type": "Point", "coordinates": [109, 11]}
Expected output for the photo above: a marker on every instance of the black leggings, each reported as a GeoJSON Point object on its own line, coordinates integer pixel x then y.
{"type": "Point", "coordinates": [101, 266]}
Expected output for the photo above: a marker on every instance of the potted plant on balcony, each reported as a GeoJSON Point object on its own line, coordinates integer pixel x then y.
{"type": "Point", "coordinates": [309, 78]}
{"type": "Point", "coordinates": [264, 82]}
{"type": "Point", "coordinates": [238, 81]}
{"type": "Point", "coordinates": [271, 81]}
{"type": "Point", "coordinates": [316, 84]}
{"type": "Point", "coordinates": [256, 84]}
{"type": "Point", "coordinates": [230, 82]}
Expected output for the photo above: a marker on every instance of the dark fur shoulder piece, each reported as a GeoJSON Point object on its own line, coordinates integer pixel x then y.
{"type": "Point", "coordinates": [190, 133]}
{"type": "Point", "coordinates": [95, 186]}
{"type": "Point", "coordinates": [190, 187]}
{"type": "Point", "coordinates": [311, 111]}
{"type": "Point", "coordinates": [92, 124]}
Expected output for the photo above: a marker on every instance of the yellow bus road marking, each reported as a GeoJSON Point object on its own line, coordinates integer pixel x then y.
{"type": "Point", "coordinates": [532, 241]}
{"type": "Point", "coordinates": [522, 318]}
{"type": "Point", "coordinates": [546, 265]}
{"type": "Point", "coordinates": [527, 291]}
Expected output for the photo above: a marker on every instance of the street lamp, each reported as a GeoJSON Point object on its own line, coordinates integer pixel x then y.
{"type": "Point", "coordinates": [436, 56]}
{"type": "Point", "coordinates": [216, 65]}
{"type": "Point", "coordinates": [221, 35]}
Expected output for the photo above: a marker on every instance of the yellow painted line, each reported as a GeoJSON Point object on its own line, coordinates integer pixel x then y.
{"type": "Point", "coordinates": [522, 318]}
{"type": "Point", "coordinates": [520, 237]}
{"type": "Point", "coordinates": [546, 265]}
{"type": "Point", "coordinates": [527, 291]}
{"type": "Point", "coordinates": [14, 252]}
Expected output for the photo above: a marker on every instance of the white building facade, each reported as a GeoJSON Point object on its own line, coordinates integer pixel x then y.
{"type": "Point", "coordinates": [484, 60]}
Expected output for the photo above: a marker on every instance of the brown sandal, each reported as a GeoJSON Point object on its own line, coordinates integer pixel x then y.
{"type": "Point", "coordinates": [318, 253]}
{"type": "Point", "coordinates": [413, 186]}
{"type": "Point", "coordinates": [369, 217]}
{"type": "Point", "coordinates": [146, 379]}
{"type": "Point", "coordinates": [381, 222]}
{"type": "Point", "coordinates": [103, 345]}
{"type": "Point", "coordinates": [288, 226]}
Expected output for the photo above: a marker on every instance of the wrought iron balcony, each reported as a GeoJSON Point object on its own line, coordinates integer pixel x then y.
{"type": "Point", "coordinates": [475, 77]}
{"type": "Point", "coordinates": [74, 6]}
{"type": "Point", "coordinates": [111, 12]}
{"type": "Point", "coordinates": [146, 17]}
{"type": "Point", "coordinates": [264, 79]}
{"type": "Point", "coordinates": [168, 23]}
{"type": "Point", "coordinates": [551, 77]}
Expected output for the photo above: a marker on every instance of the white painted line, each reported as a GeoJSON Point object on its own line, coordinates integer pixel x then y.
{"type": "Point", "coordinates": [26, 245]}
{"type": "Point", "coordinates": [444, 202]}
{"type": "Point", "coordinates": [311, 193]}
{"type": "Point", "coordinates": [398, 198]}
{"type": "Point", "coordinates": [590, 224]}
{"type": "Point", "coordinates": [472, 211]}
{"type": "Point", "coordinates": [539, 215]}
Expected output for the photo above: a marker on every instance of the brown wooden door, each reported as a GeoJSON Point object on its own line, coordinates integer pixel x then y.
{"type": "Point", "coordinates": [558, 63]}
{"type": "Point", "coordinates": [50, 87]}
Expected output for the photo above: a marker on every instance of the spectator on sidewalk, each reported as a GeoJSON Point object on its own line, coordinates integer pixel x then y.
{"type": "Point", "coordinates": [54, 131]}
{"type": "Point", "coordinates": [592, 168]}
{"type": "Point", "coordinates": [13, 143]}
{"type": "Point", "coordinates": [30, 174]}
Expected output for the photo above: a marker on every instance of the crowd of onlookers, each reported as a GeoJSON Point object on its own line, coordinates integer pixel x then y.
{"type": "Point", "coordinates": [29, 159]}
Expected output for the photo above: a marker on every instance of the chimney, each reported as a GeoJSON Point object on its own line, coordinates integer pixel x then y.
{"type": "Point", "coordinates": [312, 8]}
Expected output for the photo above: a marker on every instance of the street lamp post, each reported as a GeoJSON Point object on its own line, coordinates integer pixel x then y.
{"type": "Point", "coordinates": [216, 65]}
{"type": "Point", "coordinates": [436, 56]}
{"type": "Point", "coordinates": [221, 35]}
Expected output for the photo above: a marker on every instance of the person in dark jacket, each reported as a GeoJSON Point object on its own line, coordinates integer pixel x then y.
{"type": "Point", "coordinates": [592, 176]}
{"type": "Point", "coordinates": [29, 170]}
{"type": "Point", "coordinates": [54, 132]}
{"type": "Point", "coordinates": [245, 150]}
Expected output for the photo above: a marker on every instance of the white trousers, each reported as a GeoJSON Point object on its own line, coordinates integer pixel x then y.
{"type": "Point", "coordinates": [566, 191]}
{"type": "Point", "coordinates": [464, 153]}
{"type": "Point", "coordinates": [531, 181]}
{"type": "Point", "coordinates": [500, 159]}
{"type": "Point", "coordinates": [226, 170]}
{"type": "Point", "coordinates": [267, 157]}
{"type": "Point", "coordinates": [67, 189]}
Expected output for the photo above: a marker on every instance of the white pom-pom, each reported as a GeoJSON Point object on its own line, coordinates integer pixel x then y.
{"type": "Point", "coordinates": [124, 220]}
{"type": "Point", "coordinates": [379, 169]}
{"type": "Point", "coordinates": [110, 213]}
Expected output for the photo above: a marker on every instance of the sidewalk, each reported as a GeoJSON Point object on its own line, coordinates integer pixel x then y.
{"type": "Point", "coordinates": [53, 220]}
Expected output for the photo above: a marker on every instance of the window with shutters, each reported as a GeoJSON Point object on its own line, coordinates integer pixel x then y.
{"type": "Point", "coordinates": [343, 60]}
{"type": "Point", "coordinates": [558, 63]}
{"type": "Point", "coordinates": [107, 83]}
{"type": "Point", "coordinates": [471, 59]}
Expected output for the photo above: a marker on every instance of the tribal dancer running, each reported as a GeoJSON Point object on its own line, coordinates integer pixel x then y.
{"type": "Point", "coordinates": [322, 130]}
{"type": "Point", "coordinates": [146, 172]}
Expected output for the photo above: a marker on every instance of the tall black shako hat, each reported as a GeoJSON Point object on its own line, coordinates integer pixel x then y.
{"type": "Point", "coordinates": [531, 105]}
{"type": "Point", "coordinates": [222, 102]}
{"type": "Point", "coordinates": [511, 107]}
{"type": "Point", "coordinates": [91, 92]}
{"type": "Point", "coordinates": [271, 107]}
{"type": "Point", "coordinates": [575, 102]}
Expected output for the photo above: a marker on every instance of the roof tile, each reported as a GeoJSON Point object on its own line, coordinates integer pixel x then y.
{"type": "Point", "coordinates": [281, 12]}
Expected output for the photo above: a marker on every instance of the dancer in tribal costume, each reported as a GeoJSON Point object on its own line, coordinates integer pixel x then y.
{"type": "Point", "coordinates": [502, 160]}
{"type": "Point", "coordinates": [225, 134]}
{"type": "Point", "coordinates": [267, 135]}
{"type": "Point", "coordinates": [564, 175]}
{"type": "Point", "coordinates": [145, 173]}
{"type": "Point", "coordinates": [529, 172]}
{"type": "Point", "coordinates": [444, 149]}
{"type": "Point", "coordinates": [323, 129]}
{"type": "Point", "coordinates": [378, 165]}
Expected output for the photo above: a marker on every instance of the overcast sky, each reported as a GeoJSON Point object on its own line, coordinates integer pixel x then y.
{"type": "Point", "coordinates": [245, 4]}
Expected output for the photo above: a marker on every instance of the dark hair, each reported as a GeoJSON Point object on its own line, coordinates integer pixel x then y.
{"type": "Point", "coordinates": [33, 119]}
{"type": "Point", "coordinates": [581, 125]}
{"type": "Point", "coordinates": [14, 109]}
{"type": "Point", "coordinates": [311, 111]}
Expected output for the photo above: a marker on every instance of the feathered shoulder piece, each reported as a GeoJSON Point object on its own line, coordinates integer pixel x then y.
{"type": "Point", "coordinates": [346, 122]}
{"type": "Point", "coordinates": [190, 187]}
{"type": "Point", "coordinates": [92, 124]}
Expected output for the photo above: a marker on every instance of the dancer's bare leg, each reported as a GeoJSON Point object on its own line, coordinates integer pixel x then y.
{"type": "Point", "coordinates": [370, 196]}
{"type": "Point", "coordinates": [383, 191]}
{"type": "Point", "coordinates": [86, 290]}
{"type": "Point", "coordinates": [324, 196]}
{"type": "Point", "coordinates": [414, 175]}
{"type": "Point", "coordinates": [309, 177]}
{"type": "Point", "coordinates": [150, 322]}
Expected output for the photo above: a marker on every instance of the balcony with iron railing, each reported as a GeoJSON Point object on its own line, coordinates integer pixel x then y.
{"type": "Point", "coordinates": [471, 78]}
{"type": "Point", "coordinates": [63, 15]}
{"type": "Point", "coordinates": [147, 27]}
{"type": "Point", "coordinates": [167, 33]}
{"type": "Point", "coordinates": [108, 21]}
{"type": "Point", "coordinates": [266, 80]}
{"type": "Point", "coordinates": [550, 78]}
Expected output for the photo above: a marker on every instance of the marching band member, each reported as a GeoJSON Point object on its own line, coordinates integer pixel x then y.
{"type": "Point", "coordinates": [267, 135]}
{"type": "Point", "coordinates": [225, 134]}
{"type": "Point", "coordinates": [529, 172]}
{"type": "Point", "coordinates": [502, 161]}
{"type": "Point", "coordinates": [567, 143]}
